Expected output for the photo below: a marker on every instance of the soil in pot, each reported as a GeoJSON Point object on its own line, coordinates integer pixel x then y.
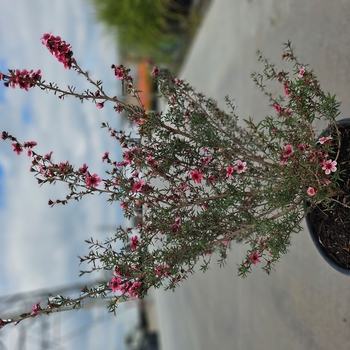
{"type": "Point", "coordinates": [333, 226]}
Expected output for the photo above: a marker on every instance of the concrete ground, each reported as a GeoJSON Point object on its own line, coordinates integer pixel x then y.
{"type": "Point", "coordinates": [304, 304]}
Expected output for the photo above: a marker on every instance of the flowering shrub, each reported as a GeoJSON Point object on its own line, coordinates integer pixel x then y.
{"type": "Point", "coordinates": [201, 180]}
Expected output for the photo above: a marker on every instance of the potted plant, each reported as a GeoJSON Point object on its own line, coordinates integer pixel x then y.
{"type": "Point", "coordinates": [201, 179]}
{"type": "Point", "coordinates": [329, 225]}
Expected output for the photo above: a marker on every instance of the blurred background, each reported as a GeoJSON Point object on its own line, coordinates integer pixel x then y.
{"type": "Point", "coordinates": [39, 245]}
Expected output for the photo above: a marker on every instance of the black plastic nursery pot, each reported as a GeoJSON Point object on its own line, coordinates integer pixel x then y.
{"type": "Point", "coordinates": [330, 230]}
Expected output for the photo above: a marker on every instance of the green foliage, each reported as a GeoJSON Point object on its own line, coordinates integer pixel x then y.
{"type": "Point", "coordinates": [144, 28]}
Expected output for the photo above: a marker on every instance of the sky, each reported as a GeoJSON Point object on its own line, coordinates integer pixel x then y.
{"type": "Point", "coordinates": [39, 245]}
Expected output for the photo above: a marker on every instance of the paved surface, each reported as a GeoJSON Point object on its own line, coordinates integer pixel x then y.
{"type": "Point", "coordinates": [304, 304]}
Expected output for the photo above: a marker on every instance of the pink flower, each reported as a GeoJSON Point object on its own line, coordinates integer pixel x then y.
{"type": "Point", "coordinates": [277, 107]}
{"type": "Point", "coordinates": [229, 171]}
{"type": "Point", "coordinates": [48, 155]}
{"type": "Point", "coordinates": [121, 72]}
{"type": "Point", "coordinates": [212, 178]}
{"type": "Point", "coordinates": [129, 155]}
{"type": "Point", "coordinates": [240, 167]}
{"type": "Point", "coordinates": [162, 270]}
{"type": "Point", "coordinates": [29, 144]}
{"type": "Point", "coordinates": [329, 166]}
{"type": "Point", "coordinates": [254, 258]}
{"type": "Point", "coordinates": [155, 71]}
{"type": "Point", "coordinates": [118, 108]}
{"type": "Point", "coordinates": [17, 148]}
{"type": "Point", "coordinates": [152, 162]}
{"type": "Point", "coordinates": [124, 287]}
{"type": "Point", "coordinates": [105, 156]}
{"type": "Point", "coordinates": [117, 273]}
{"type": "Point", "coordinates": [135, 173]}
{"type": "Point", "coordinates": [311, 191]}
{"type": "Point", "coordinates": [92, 180]}
{"type": "Point", "coordinates": [134, 243]}
{"type": "Point", "coordinates": [99, 105]}
{"type": "Point", "coordinates": [288, 152]}
{"type": "Point", "coordinates": [283, 162]}
{"type": "Point", "coordinates": [83, 169]}
{"type": "Point", "coordinates": [138, 186]}
{"type": "Point", "coordinates": [149, 160]}
{"type": "Point", "coordinates": [302, 147]}
{"type": "Point", "coordinates": [59, 48]}
{"type": "Point", "coordinates": [134, 289]}
{"type": "Point", "coordinates": [301, 72]}
{"type": "Point", "coordinates": [35, 309]}
{"type": "Point", "coordinates": [123, 205]}
{"type": "Point", "coordinates": [206, 160]}
{"type": "Point", "coordinates": [23, 79]}
{"type": "Point", "coordinates": [196, 176]}
{"type": "Point", "coordinates": [322, 140]}
{"type": "Point", "coordinates": [114, 284]}
{"type": "Point", "coordinates": [286, 90]}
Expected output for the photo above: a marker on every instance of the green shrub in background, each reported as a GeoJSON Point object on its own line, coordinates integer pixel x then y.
{"type": "Point", "coordinates": [144, 28]}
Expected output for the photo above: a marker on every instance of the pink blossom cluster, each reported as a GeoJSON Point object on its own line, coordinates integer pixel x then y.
{"type": "Point", "coordinates": [162, 270]}
{"type": "Point", "coordinates": [59, 48]}
{"type": "Point", "coordinates": [175, 227]}
{"type": "Point", "coordinates": [126, 287]}
{"type": "Point", "coordinates": [286, 89]}
{"type": "Point", "coordinates": [134, 243]}
{"type": "Point", "coordinates": [122, 73]}
{"type": "Point", "coordinates": [24, 79]}
{"type": "Point", "coordinates": [280, 110]}
{"type": "Point", "coordinates": [118, 108]}
{"type": "Point", "coordinates": [288, 151]}
{"type": "Point", "coordinates": [137, 186]}
{"type": "Point", "coordinates": [17, 147]}
{"type": "Point", "coordinates": [240, 167]}
{"type": "Point", "coordinates": [152, 162]}
{"type": "Point", "coordinates": [327, 165]}
{"type": "Point", "coordinates": [130, 154]}
{"type": "Point", "coordinates": [92, 180]}
{"type": "Point", "coordinates": [50, 170]}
